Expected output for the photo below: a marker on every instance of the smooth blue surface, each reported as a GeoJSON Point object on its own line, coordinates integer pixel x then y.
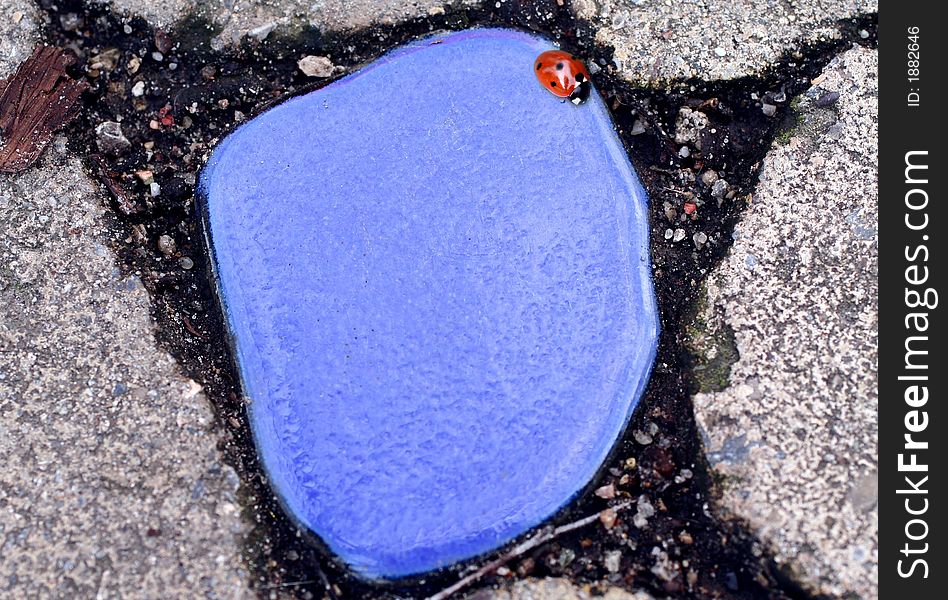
{"type": "Point", "coordinates": [437, 281]}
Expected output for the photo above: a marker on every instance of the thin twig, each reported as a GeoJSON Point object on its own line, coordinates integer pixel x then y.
{"type": "Point", "coordinates": [540, 538]}
{"type": "Point", "coordinates": [274, 586]}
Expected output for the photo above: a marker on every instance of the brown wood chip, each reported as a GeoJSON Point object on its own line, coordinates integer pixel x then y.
{"type": "Point", "coordinates": [36, 101]}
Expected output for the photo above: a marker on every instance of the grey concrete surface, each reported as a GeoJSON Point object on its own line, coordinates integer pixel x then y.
{"type": "Point", "coordinates": [119, 490]}
{"type": "Point", "coordinates": [553, 589]}
{"type": "Point", "coordinates": [19, 32]}
{"type": "Point", "coordinates": [660, 40]}
{"type": "Point", "coordinates": [238, 19]}
{"type": "Point", "coordinates": [113, 486]}
{"type": "Point", "coordinates": [793, 433]}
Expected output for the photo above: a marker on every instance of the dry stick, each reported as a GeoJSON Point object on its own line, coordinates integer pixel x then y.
{"type": "Point", "coordinates": [521, 549]}
{"type": "Point", "coordinates": [275, 586]}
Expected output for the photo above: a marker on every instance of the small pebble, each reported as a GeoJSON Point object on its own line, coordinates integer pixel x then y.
{"type": "Point", "coordinates": [768, 109]}
{"type": "Point", "coordinates": [158, 56]}
{"type": "Point", "coordinates": [166, 245]}
{"type": "Point", "coordinates": [720, 52]}
{"type": "Point", "coordinates": [138, 89]}
{"type": "Point", "coordinates": [155, 189]}
{"type": "Point", "coordinates": [109, 137]}
{"type": "Point", "coordinates": [134, 63]}
{"type": "Point", "coordinates": [719, 188]}
{"type": "Point", "coordinates": [834, 132]}
{"type": "Point", "coordinates": [640, 436]}
{"type": "Point", "coordinates": [864, 34]}
{"type": "Point", "coordinates": [261, 33]}
{"type": "Point", "coordinates": [731, 581]}
{"type": "Point", "coordinates": [70, 21]}
{"type": "Point", "coordinates": [668, 234]}
{"type": "Point", "coordinates": [127, 28]}
{"type": "Point", "coordinates": [435, 11]}
{"type": "Point", "coordinates": [106, 60]}
{"type": "Point", "coordinates": [607, 491]}
{"type": "Point", "coordinates": [684, 152]}
{"type": "Point", "coordinates": [608, 518]}
{"type": "Point", "coordinates": [644, 512]}
{"type": "Point", "coordinates": [638, 127]}
{"type": "Point", "coordinates": [709, 177]}
{"type": "Point", "coordinates": [679, 235]}
{"type": "Point", "coordinates": [163, 41]}
{"type": "Point", "coordinates": [185, 263]}
{"type": "Point", "coordinates": [611, 560]}
{"type": "Point", "coordinates": [827, 99]}
{"type": "Point", "coordinates": [700, 239]}
{"type": "Point", "coordinates": [315, 66]}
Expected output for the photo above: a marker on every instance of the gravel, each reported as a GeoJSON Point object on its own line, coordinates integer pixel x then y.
{"type": "Point", "coordinates": [107, 437]}
{"type": "Point", "coordinates": [793, 434]}
{"type": "Point", "coordinates": [659, 41]}
{"type": "Point", "coordinates": [689, 125]}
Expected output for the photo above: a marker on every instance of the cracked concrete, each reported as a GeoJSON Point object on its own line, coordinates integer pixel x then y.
{"type": "Point", "coordinates": [793, 436]}
{"type": "Point", "coordinates": [258, 19]}
{"type": "Point", "coordinates": [553, 589]}
{"type": "Point", "coordinates": [657, 41]}
{"type": "Point", "coordinates": [19, 32]}
{"type": "Point", "coordinates": [118, 490]}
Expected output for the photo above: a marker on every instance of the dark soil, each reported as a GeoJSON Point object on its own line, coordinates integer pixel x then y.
{"type": "Point", "coordinates": [684, 550]}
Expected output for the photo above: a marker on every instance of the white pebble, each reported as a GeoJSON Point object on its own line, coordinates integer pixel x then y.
{"type": "Point", "coordinates": [315, 66]}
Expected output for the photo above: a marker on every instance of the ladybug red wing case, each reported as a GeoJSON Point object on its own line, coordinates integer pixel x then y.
{"type": "Point", "coordinates": [564, 75]}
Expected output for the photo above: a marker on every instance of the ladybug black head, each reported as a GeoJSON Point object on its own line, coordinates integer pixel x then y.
{"type": "Point", "coordinates": [581, 93]}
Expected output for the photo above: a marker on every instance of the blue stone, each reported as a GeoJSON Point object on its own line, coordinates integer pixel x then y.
{"type": "Point", "coordinates": [436, 279]}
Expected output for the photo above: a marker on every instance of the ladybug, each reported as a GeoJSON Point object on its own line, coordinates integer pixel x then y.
{"type": "Point", "coordinates": [564, 75]}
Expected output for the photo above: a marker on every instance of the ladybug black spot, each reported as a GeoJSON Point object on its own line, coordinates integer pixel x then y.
{"type": "Point", "coordinates": [579, 78]}
{"type": "Point", "coordinates": [559, 66]}
{"type": "Point", "coordinates": [539, 65]}
{"type": "Point", "coordinates": [552, 84]}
